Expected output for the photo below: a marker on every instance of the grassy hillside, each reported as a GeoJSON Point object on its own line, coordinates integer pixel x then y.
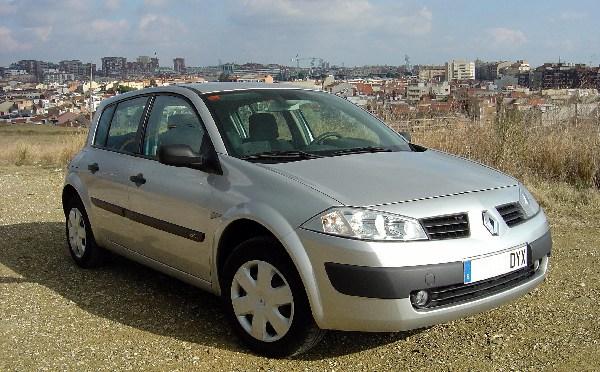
{"type": "Point", "coordinates": [39, 144]}
{"type": "Point", "coordinates": [563, 152]}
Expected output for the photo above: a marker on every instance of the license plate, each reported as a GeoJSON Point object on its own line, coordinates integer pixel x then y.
{"type": "Point", "coordinates": [483, 268]}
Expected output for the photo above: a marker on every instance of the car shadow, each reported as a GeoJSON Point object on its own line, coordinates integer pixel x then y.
{"type": "Point", "coordinates": [338, 343]}
{"type": "Point", "coordinates": [134, 295]}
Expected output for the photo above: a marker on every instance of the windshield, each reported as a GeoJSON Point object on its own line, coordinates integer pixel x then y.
{"type": "Point", "coordinates": [298, 123]}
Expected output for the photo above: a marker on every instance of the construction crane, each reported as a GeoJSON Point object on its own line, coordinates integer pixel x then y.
{"type": "Point", "coordinates": [312, 60]}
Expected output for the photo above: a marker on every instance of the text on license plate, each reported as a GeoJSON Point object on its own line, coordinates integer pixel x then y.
{"type": "Point", "coordinates": [483, 268]}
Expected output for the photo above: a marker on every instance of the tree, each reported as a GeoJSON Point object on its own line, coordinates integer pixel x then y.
{"type": "Point", "coordinates": [124, 89]}
{"type": "Point", "coordinates": [225, 77]}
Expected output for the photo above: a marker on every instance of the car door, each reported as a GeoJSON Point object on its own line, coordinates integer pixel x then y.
{"type": "Point", "coordinates": [171, 217]}
{"type": "Point", "coordinates": [106, 168]}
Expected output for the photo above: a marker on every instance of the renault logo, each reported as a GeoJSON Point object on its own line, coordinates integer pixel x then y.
{"type": "Point", "coordinates": [490, 223]}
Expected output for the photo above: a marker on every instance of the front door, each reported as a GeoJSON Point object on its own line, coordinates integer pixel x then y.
{"type": "Point", "coordinates": [171, 221]}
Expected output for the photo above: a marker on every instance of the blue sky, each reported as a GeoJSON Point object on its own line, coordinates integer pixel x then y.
{"type": "Point", "coordinates": [353, 32]}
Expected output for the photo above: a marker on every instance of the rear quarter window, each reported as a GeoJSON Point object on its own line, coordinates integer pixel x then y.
{"type": "Point", "coordinates": [103, 124]}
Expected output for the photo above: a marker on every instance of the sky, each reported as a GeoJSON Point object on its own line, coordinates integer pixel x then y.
{"type": "Point", "coordinates": [348, 32]}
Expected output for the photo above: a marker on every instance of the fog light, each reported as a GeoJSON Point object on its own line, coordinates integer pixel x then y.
{"type": "Point", "coordinates": [421, 298]}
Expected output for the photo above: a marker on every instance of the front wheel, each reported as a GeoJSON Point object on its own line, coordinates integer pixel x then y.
{"type": "Point", "coordinates": [265, 300]}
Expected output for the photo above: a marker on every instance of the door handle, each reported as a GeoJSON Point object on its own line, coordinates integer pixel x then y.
{"type": "Point", "coordinates": [138, 179]}
{"type": "Point", "coordinates": [93, 167]}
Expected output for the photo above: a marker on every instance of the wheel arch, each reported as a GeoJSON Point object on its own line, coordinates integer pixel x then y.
{"type": "Point", "coordinates": [74, 186]}
{"type": "Point", "coordinates": [68, 193]}
{"type": "Point", "coordinates": [235, 233]}
{"type": "Point", "coordinates": [244, 226]}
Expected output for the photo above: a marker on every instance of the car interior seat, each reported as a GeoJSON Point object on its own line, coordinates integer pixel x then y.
{"type": "Point", "coordinates": [263, 128]}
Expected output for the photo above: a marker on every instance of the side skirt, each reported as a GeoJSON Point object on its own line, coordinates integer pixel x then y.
{"type": "Point", "coordinates": [159, 266]}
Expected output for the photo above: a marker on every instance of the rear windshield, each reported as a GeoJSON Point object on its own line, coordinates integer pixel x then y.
{"type": "Point", "coordinates": [255, 122]}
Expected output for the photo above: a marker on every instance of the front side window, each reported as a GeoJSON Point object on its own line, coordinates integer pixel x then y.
{"type": "Point", "coordinates": [172, 121]}
{"type": "Point", "coordinates": [255, 122]}
{"type": "Point", "coordinates": [124, 125]}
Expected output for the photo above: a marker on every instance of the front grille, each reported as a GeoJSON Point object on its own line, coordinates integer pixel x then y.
{"type": "Point", "coordinates": [447, 227]}
{"type": "Point", "coordinates": [457, 293]}
{"type": "Point", "coordinates": [511, 213]}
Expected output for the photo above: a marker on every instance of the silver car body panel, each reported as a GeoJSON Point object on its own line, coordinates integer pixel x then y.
{"type": "Point", "coordinates": [281, 197]}
{"type": "Point", "coordinates": [185, 203]}
{"type": "Point", "coordinates": [398, 176]}
{"type": "Point", "coordinates": [110, 184]}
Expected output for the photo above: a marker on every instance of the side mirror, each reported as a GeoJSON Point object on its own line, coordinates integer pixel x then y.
{"type": "Point", "coordinates": [183, 156]}
{"type": "Point", "coordinates": [406, 136]}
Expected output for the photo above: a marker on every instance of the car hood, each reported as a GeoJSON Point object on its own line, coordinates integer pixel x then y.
{"type": "Point", "coordinates": [392, 177]}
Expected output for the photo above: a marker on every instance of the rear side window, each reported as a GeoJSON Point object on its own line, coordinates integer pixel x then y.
{"type": "Point", "coordinates": [124, 125]}
{"type": "Point", "coordinates": [103, 123]}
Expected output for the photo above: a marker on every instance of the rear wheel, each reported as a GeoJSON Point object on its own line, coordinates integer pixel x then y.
{"type": "Point", "coordinates": [265, 300]}
{"type": "Point", "coordinates": [80, 239]}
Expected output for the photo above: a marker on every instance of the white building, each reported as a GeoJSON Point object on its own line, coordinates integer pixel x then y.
{"type": "Point", "coordinates": [440, 90]}
{"type": "Point", "coordinates": [523, 66]}
{"type": "Point", "coordinates": [14, 72]}
{"type": "Point", "coordinates": [415, 91]}
{"type": "Point", "coordinates": [58, 77]}
{"type": "Point", "coordinates": [460, 70]}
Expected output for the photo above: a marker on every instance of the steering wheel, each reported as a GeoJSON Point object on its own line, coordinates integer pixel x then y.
{"type": "Point", "coordinates": [324, 136]}
{"type": "Point", "coordinates": [126, 143]}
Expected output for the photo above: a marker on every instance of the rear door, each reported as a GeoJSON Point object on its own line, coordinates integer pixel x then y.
{"type": "Point", "coordinates": [107, 168]}
{"type": "Point", "coordinates": [170, 209]}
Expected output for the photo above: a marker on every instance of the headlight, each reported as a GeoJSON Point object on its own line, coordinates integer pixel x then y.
{"type": "Point", "coordinates": [528, 204]}
{"type": "Point", "coordinates": [366, 224]}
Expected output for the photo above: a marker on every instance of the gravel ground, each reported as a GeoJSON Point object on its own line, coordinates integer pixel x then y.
{"type": "Point", "coordinates": [54, 316]}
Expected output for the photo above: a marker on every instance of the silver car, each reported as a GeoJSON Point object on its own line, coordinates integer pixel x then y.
{"type": "Point", "coordinates": [303, 211]}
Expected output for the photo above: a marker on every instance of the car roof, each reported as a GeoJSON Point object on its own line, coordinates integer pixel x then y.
{"type": "Point", "coordinates": [215, 87]}
{"type": "Point", "coordinates": [202, 88]}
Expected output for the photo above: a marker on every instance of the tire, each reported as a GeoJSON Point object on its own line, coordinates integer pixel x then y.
{"type": "Point", "coordinates": [80, 239]}
{"type": "Point", "coordinates": [271, 319]}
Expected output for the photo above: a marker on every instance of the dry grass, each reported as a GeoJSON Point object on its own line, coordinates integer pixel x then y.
{"type": "Point", "coordinates": [37, 145]}
{"type": "Point", "coordinates": [564, 153]}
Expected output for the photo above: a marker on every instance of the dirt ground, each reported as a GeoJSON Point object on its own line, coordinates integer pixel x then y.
{"type": "Point", "coordinates": [55, 316]}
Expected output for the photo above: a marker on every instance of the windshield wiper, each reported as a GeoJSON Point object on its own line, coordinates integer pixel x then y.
{"type": "Point", "coordinates": [360, 150]}
{"type": "Point", "coordinates": [282, 156]}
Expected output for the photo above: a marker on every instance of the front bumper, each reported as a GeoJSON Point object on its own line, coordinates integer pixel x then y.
{"type": "Point", "coordinates": [366, 286]}
{"type": "Point", "coordinates": [399, 282]}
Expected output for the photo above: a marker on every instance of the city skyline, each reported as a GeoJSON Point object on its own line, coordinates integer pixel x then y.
{"type": "Point", "coordinates": [351, 32]}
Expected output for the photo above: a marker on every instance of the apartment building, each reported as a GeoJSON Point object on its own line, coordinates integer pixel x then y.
{"type": "Point", "coordinates": [429, 73]}
{"type": "Point", "coordinates": [179, 65]}
{"type": "Point", "coordinates": [490, 71]}
{"type": "Point", "coordinates": [114, 66]}
{"type": "Point", "coordinates": [566, 76]}
{"type": "Point", "coordinates": [58, 78]}
{"type": "Point", "coordinates": [460, 70]}
{"type": "Point", "coordinates": [415, 91]}
{"type": "Point", "coordinates": [76, 67]}
{"type": "Point", "coordinates": [35, 68]}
